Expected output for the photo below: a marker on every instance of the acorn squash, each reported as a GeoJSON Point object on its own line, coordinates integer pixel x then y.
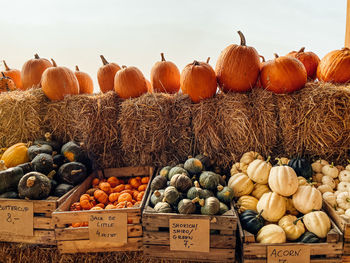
{"type": "Point", "coordinates": [72, 173]}
{"type": "Point", "coordinates": [10, 178]}
{"type": "Point", "coordinates": [302, 167]}
{"type": "Point", "coordinates": [251, 221]}
{"type": "Point", "coordinates": [34, 150]}
{"type": "Point", "coordinates": [34, 186]}
{"type": "Point", "coordinates": [43, 163]}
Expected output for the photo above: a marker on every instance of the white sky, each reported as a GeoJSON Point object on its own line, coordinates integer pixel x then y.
{"type": "Point", "coordinates": [134, 33]}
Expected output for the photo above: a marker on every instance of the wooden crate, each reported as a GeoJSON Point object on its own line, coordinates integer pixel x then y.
{"type": "Point", "coordinates": [43, 225]}
{"type": "Point", "coordinates": [327, 252]}
{"type": "Point", "coordinates": [76, 240]}
{"type": "Point", "coordinates": [156, 242]}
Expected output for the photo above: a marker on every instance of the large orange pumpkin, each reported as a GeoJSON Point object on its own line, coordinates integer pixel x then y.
{"type": "Point", "coordinates": [86, 85]}
{"type": "Point", "coordinates": [334, 67]}
{"type": "Point", "coordinates": [14, 74]}
{"type": "Point", "coordinates": [32, 71]}
{"type": "Point", "coordinates": [198, 80]}
{"type": "Point", "coordinates": [106, 74]}
{"type": "Point", "coordinates": [129, 82]}
{"type": "Point", "coordinates": [58, 82]}
{"type": "Point", "coordinates": [283, 74]}
{"type": "Point", "coordinates": [165, 76]}
{"type": "Point", "coordinates": [309, 59]}
{"type": "Point", "coordinates": [6, 83]}
{"type": "Point", "coordinates": [238, 67]}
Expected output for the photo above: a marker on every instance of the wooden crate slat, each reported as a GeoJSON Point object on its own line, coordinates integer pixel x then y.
{"type": "Point", "coordinates": [313, 260]}
{"type": "Point", "coordinates": [81, 233]}
{"type": "Point", "coordinates": [39, 237]}
{"type": "Point", "coordinates": [128, 171]}
{"type": "Point", "coordinates": [41, 222]}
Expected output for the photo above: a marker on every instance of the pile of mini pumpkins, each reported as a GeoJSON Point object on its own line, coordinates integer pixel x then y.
{"type": "Point", "coordinates": [42, 169]}
{"type": "Point", "coordinates": [238, 69]}
{"type": "Point", "coordinates": [191, 188]}
{"type": "Point", "coordinates": [278, 203]}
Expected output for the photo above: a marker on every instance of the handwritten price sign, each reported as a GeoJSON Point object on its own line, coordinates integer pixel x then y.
{"type": "Point", "coordinates": [288, 254]}
{"type": "Point", "coordinates": [16, 217]}
{"type": "Point", "coordinates": [189, 234]}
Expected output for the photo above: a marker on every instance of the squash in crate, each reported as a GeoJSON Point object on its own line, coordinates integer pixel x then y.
{"type": "Point", "coordinates": [35, 186]}
{"type": "Point", "coordinates": [251, 221]}
{"type": "Point", "coordinates": [270, 234]}
{"type": "Point", "coordinates": [272, 205]}
{"type": "Point", "coordinates": [292, 226]}
{"type": "Point", "coordinates": [283, 180]}
{"type": "Point", "coordinates": [259, 170]}
{"type": "Point", "coordinates": [318, 223]}
{"type": "Point", "coordinates": [241, 184]}
{"type": "Point", "coordinates": [15, 155]}
{"type": "Point", "coordinates": [307, 198]}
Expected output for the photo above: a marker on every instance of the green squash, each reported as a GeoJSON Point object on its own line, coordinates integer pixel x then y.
{"type": "Point", "coordinates": [34, 186]}
{"type": "Point", "coordinates": [11, 195]}
{"type": "Point", "coordinates": [211, 206]}
{"type": "Point", "coordinates": [43, 163]}
{"type": "Point", "coordinates": [186, 206]}
{"type": "Point", "coordinates": [158, 182]}
{"type": "Point", "coordinates": [223, 208]}
{"type": "Point", "coordinates": [181, 182]}
{"type": "Point", "coordinates": [26, 167]}
{"type": "Point", "coordinates": [56, 146]}
{"type": "Point", "coordinates": [157, 197]}
{"type": "Point", "coordinates": [73, 152]}
{"type": "Point", "coordinates": [165, 171]}
{"type": "Point", "coordinates": [10, 178]}
{"type": "Point", "coordinates": [225, 195]}
{"type": "Point", "coordinates": [193, 166]}
{"type": "Point", "coordinates": [302, 167]}
{"type": "Point", "coordinates": [54, 184]}
{"type": "Point", "coordinates": [308, 237]}
{"type": "Point", "coordinates": [205, 160]}
{"type": "Point", "coordinates": [251, 221]}
{"type": "Point", "coordinates": [176, 170]}
{"type": "Point", "coordinates": [171, 195]}
{"type": "Point", "coordinates": [72, 173]}
{"type": "Point", "coordinates": [34, 150]}
{"type": "Point", "coordinates": [58, 161]}
{"type": "Point", "coordinates": [163, 207]}
{"type": "Point", "coordinates": [206, 194]}
{"type": "Point", "coordinates": [62, 189]}
{"type": "Point", "coordinates": [209, 180]}
{"type": "Point", "coordinates": [195, 191]}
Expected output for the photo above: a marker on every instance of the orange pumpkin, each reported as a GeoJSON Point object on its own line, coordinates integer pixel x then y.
{"type": "Point", "coordinates": [86, 85]}
{"type": "Point", "coordinates": [81, 224]}
{"type": "Point", "coordinates": [165, 76]}
{"type": "Point", "coordinates": [118, 188]}
{"type": "Point", "coordinates": [106, 74]}
{"type": "Point", "coordinates": [145, 180]}
{"type": "Point", "coordinates": [124, 204]}
{"type": "Point", "coordinates": [32, 70]}
{"type": "Point", "coordinates": [113, 197]}
{"type": "Point", "coordinates": [14, 74]}
{"type": "Point", "coordinates": [283, 75]}
{"type": "Point", "coordinates": [113, 181]}
{"type": "Point", "coordinates": [6, 83]}
{"type": "Point", "coordinates": [100, 205]}
{"type": "Point", "coordinates": [134, 183]}
{"type": "Point", "coordinates": [95, 182]}
{"type": "Point", "coordinates": [58, 82]}
{"type": "Point", "coordinates": [110, 207]}
{"type": "Point", "coordinates": [309, 59]}
{"type": "Point", "coordinates": [334, 66]}
{"type": "Point", "coordinates": [127, 191]}
{"type": "Point", "coordinates": [75, 207]}
{"type": "Point", "coordinates": [87, 202]}
{"type": "Point", "coordinates": [129, 82]}
{"type": "Point", "coordinates": [96, 208]}
{"type": "Point", "coordinates": [101, 196]}
{"type": "Point", "coordinates": [134, 194]}
{"type": "Point", "coordinates": [140, 196]}
{"type": "Point", "coordinates": [142, 187]}
{"type": "Point", "coordinates": [105, 186]}
{"type": "Point", "coordinates": [125, 197]}
{"type": "Point", "coordinates": [137, 203]}
{"type": "Point", "coordinates": [238, 67]}
{"type": "Point", "coordinates": [128, 187]}
{"type": "Point", "coordinates": [198, 80]}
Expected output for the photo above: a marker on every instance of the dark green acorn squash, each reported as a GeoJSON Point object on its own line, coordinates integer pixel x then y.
{"type": "Point", "coordinates": [73, 152]}
{"type": "Point", "coordinates": [176, 170]}
{"type": "Point", "coordinates": [58, 161]}
{"type": "Point", "coordinates": [159, 182]}
{"type": "Point", "coordinates": [43, 163]}
{"type": "Point", "coordinates": [209, 180]}
{"type": "Point", "coordinates": [211, 206]}
{"type": "Point", "coordinates": [251, 221]}
{"type": "Point", "coordinates": [193, 166]}
{"type": "Point", "coordinates": [56, 146]}
{"type": "Point", "coordinates": [223, 208]}
{"type": "Point", "coordinates": [302, 167]}
{"type": "Point", "coordinates": [26, 167]}
{"type": "Point", "coordinates": [34, 186]}
{"type": "Point", "coordinates": [308, 237]}
{"type": "Point", "coordinates": [72, 173]}
{"type": "Point", "coordinates": [53, 186]}
{"type": "Point", "coordinates": [34, 150]}
{"type": "Point", "coordinates": [165, 171]}
{"type": "Point", "coordinates": [207, 163]}
{"type": "Point", "coordinates": [225, 195]}
{"type": "Point", "coordinates": [62, 189]}
{"type": "Point", "coordinates": [10, 178]}
{"type": "Point", "coordinates": [12, 195]}
{"type": "Point", "coordinates": [186, 206]}
{"type": "Point", "coordinates": [181, 182]}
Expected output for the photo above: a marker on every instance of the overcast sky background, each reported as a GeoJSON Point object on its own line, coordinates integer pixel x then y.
{"type": "Point", "coordinates": [134, 33]}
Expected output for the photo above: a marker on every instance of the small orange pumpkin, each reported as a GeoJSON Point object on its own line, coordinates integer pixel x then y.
{"type": "Point", "coordinates": [198, 80]}
{"type": "Point", "coordinates": [142, 187]}
{"type": "Point", "coordinates": [145, 180]}
{"type": "Point", "coordinates": [57, 82]}
{"type": "Point", "coordinates": [113, 181]}
{"type": "Point", "coordinates": [128, 187]}
{"type": "Point", "coordinates": [81, 224]}
{"type": "Point", "coordinates": [96, 208]}
{"type": "Point", "coordinates": [110, 207]}
{"type": "Point", "coordinates": [129, 82]}
{"type": "Point", "coordinates": [6, 83]}
{"type": "Point", "coordinates": [100, 205]}
{"type": "Point", "coordinates": [135, 183]}
{"type": "Point", "coordinates": [14, 74]}
{"type": "Point", "coordinates": [86, 85]}
{"type": "Point", "coordinates": [127, 191]}
{"type": "Point", "coordinates": [134, 194]}
{"type": "Point", "coordinates": [137, 203]}
{"type": "Point", "coordinates": [106, 74]}
{"type": "Point", "coordinates": [101, 196]}
{"type": "Point", "coordinates": [125, 197]}
{"type": "Point", "coordinates": [140, 196]}
{"type": "Point", "coordinates": [105, 186]}
{"type": "Point", "coordinates": [124, 204]}
{"type": "Point", "coordinates": [113, 197]}
{"type": "Point", "coordinates": [75, 207]}
{"type": "Point", "coordinates": [95, 182]}
{"type": "Point", "coordinates": [309, 59]}
{"type": "Point", "coordinates": [118, 188]}
{"type": "Point", "coordinates": [87, 202]}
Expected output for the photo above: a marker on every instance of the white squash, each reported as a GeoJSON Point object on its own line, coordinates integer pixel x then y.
{"type": "Point", "coordinates": [343, 200]}
{"type": "Point", "coordinates": [330, 170]}
{"type": "Point", "coordinates": [259, 190]}
{"type": "Point", "coordinates": [328, 180]}
{"type": "Point", "coordinates": [307, 198]}
{"type": "Point", "coordinates": [293, 227]}
{"type": "Point", "coordinates": [343, 187]}
{"type": "Point", "coordinates": [248, 157]}
{"type": "Point", "coordinates": [283, 180]}
{"type": "Point", "coordinates": [272, 205]}
{"type": "Point", "coordinates": [259, 170]}
{"type": "Point", "coordinates": [317, 177]}
{"type": "Point", "coordinates": [344, 176]}
{"type": "Point", "coordinates": [240, 184]}
{"type": "Point", "coordinates": [318, 223]}
{"type": "Point", "coordinates": [246, 202]}
{"type": "Point", "coordinates": [336, 193]}
{"type": "Point", "coordinates": [271, 234]}
{"type": "Point", "coordinates": [347, 212]}
{"type": "Point", "coordinates": [238, 168]}
{"type": "Point", "coordinates": [339, 211]}
{"type": "Point", "coordinates": [317, 166]}
{"type": "Point", "coordinates": [330, 198]}
{"type": "Point", "coordinates": [324, 188]}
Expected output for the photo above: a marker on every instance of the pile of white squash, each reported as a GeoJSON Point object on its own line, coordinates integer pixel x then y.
{"type": "Point", "coordinates": [334, 184]}
{"type": "Point", "coordinates": [279, 195]}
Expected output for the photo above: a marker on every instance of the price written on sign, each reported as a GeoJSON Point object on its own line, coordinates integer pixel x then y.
{"type": "Point", "coordinates": [189, 234]}
{"type": "Point", "coordinates": [288, 254]}
{"type": "Point", "coordinates": [108, 228]}
{"type": "Point", "coordinates": [16, 217]}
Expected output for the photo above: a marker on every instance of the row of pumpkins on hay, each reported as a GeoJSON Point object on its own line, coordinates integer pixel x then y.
{"type": "Point", "coordinates": [238, 69]}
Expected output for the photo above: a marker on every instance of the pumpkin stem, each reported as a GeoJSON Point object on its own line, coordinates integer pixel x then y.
{"type": "Point", "coordinates": [279, 161]}
{"type": "Point", "coordinates": [124, 66]}
{"type": "Point", "coordinates": [162, 56]}
{"type": "Point", "coordinates": [348, 161]}
{"type": "Point", "coordinates": [268, 159]}
{"type": "Point", "coordinates": [196, 200]}
{"type": "Point", "coordinates": [332, 165]}
{"type": "Point", "coordinates": [301, 50]}
{"type": "Point", "coordinates": [243, 42]}
{"type": "Point", "coordinates": [157, 193]}
{"type": "Point", "coordinates": [208, 60]}
{"type": "Point", "coordinates": [262, 57]}
{"type": "Point", "coordinates": [6, 67]}
{"type": "Point", "coordinates": [31, 181]}
{"type": "Point", "coordinates": [259, 215]}
{"type": "Point", "coordinates": [48, 136]}
{"type": "Point", "coordinates": [296, 221]}
{"type": "Point", "coordinates": [196, 63]}
{"type": "Point", "coordinates": [3, 75]}
{"type": "Point", "coordinates": [2, 165]}
{"type": "Point", "coordinates": [36, 56]}
{"type": "Point", "coordinates": [276, 56]}
{"type": "Point", "coordinates": [104, 61]}
{"type": "Point", "coordinates": [220, 187]}
{"type": "Point", "coordinates": [201, 202]}
{"type": "Point", "coordinates": [76, 68]}
{"type": "Point", "coordinates": [74, 172]}
{"type": "Point", "coordinates": [51, 174]}
{"type": "Point", "coordinates": [54, 63]}
{"type": "Point", "coordinates": [196, 184]}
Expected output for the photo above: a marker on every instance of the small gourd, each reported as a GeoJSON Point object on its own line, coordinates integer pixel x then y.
{"type": "Point", "coordinates": [225, 194]}
{"type": "Point", "coordinates": [165, 171]}
{"type": "Point", "coordinates": [72, 173]}
{"type": "Point", "coordinates": [58, 161]}
{"type": "Point", "coordinates": [344, 176]}
{"type": "Point", "coordinates": [307, 198]}
{"type": "Point", "coordinates": [324, 188]}
{"type": "Point", "coordinates": [241, 184]}
{"type": "Point", "coordinates": [159, 182]}
{"type": "Point", "coordinates": [271, 233]}
{"type": "Point", "coordinates": [328, 180]}
{"type": "Point", "coordinates": [171, 195]}
{"type": "Point", "coordinates": [211, 206]}
{"type": "Point", "coordinates": [259, 190]}
{"type": "Point", "coordinates": [251, 221]}
{"type": "Point", "coordinates": [176, 170]}
{"type": "Point", "coordinates": [187, 206]}
{"type": "Point", "coordinates": [343, 200]}
{"type": "Point", "coordinates": [318, 165]}
{"type": "Point", "coordinates": [181, 182]}
{"type": "Point", "coordinates": [283, 180]}
{"type": "Point", "coordinates": [43, 163]}
{"type": "Point", "coordinates": [318, 223]}
{"type": "Point", "coordinates": [330, 198]}
{"type": "Point", "coordinates": [292, 226]}
{"type": "Point", "coordinates": [246, 202]}
{"type": "Point", "coordinates": [272, 205]}
{"type": "Point", "coordinates": [157, 197]}
{"type": "Point", "coordinates": [330, 170]}
{"type": "Point", "coordinates": [209, 180]}
{"type": "Point", "coordinates": [193, 166]}
{"type": "Point", "coordinates": [343, 187]}
{"type": "Point", "coordinates": [309, 237]}
{"type": "Point", "coordinates": [259, 170]}
{"type": "Point", "coordinates": [249, 157]}
{"type": "Point", "coordinates": [317, 177]}
{"type": "Point", "coordinates": [238, 168]}
{"type": "Point", "coordinates": [163, 207]}
{"type": "Point", "coordinates": [223, 208]}
{"type": "Point", "coordinates": [34, 186]}
{"type": "Point", "coordinates": [34, 150]}
{"type": "Point", "coordinates": [339, 211]}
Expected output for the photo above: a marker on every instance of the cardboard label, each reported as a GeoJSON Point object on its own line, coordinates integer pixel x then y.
{"type": "Point", "coordinates": [189, 234]}
{"type": "Point", "coordinates": [288, 254]}
{"type": "Point", "coordinates": [16, 218]}
{"type": "Point", "coordinates": [108, 228]}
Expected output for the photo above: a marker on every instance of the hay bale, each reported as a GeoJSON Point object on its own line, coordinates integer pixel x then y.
{"type": "Point", "coordinates": [156, 129]}
{"type": "Point", "coordinates": [316, 121]}
{"type": "Point", "coordinates": [20, 116]}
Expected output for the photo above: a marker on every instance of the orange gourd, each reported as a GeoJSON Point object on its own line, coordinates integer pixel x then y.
{"type": "Point", "coordinates": [13, 74]}
{"type": "Point", "coordinates": [134, 194]}
{"type": "Point", "coordinates": [142, 187]}
{"type": "Point", "coordinates": [145, 180]}
{"type": "Point", "coordinates": [128, 187]}
{"type": "Point", "coordinates": [6, 83]}
{"type": "Point", "coordinates": [165, 76]}
{"type": "Point", "coordinates": [100, 205]}
{"type": "Point", "coordinates": [118, 188]}
{"type": "Point", "coordinates": [101, 196]}
{"type": "Point", "coordinates": [87, 202]}
{"type": "Point", "coordinates": [113, 197]}
{"type": "Point", "coordinates": [106, 74]}
{"type": "Point", "coordinates": [110, 206]}
{"type": "Point", "coordinates": [129, 82]}
{"type": "Point", "coordinates": [127, 191]}
{"type": "Point", "coordinates": [125, 197]}
{"type": "Point", "coordinates": [57, 82]}
{"type": "Point", "coordinates": [309, 59]}
{"type": "Point", "coordinates": [32, 70]}
{"type": "Point", "coordinates": [95, 182]}
{"type": "Point", "coordinates": [140, 196]}
{"type": "Point", "coordinates": [105, 186]}
{"type": "Point", "coordinates": [96, 208]}
{"type": "Point", "coordinates": [113, 181]}
{"type": "Point", "coordinates": [238, 67]}
{"type": "Point", "coordinates": [75, 207]}
{"type": "Point", "coordinates": [137, 203]}
{"type": "Point", "coordinates": [198, 80]}
{"type": "Point", "coordinates": [124, 204]}
{"type": "Point", "coordinates": [86, 85]}
{"type": "Point", "coordinates": [135, 183]}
